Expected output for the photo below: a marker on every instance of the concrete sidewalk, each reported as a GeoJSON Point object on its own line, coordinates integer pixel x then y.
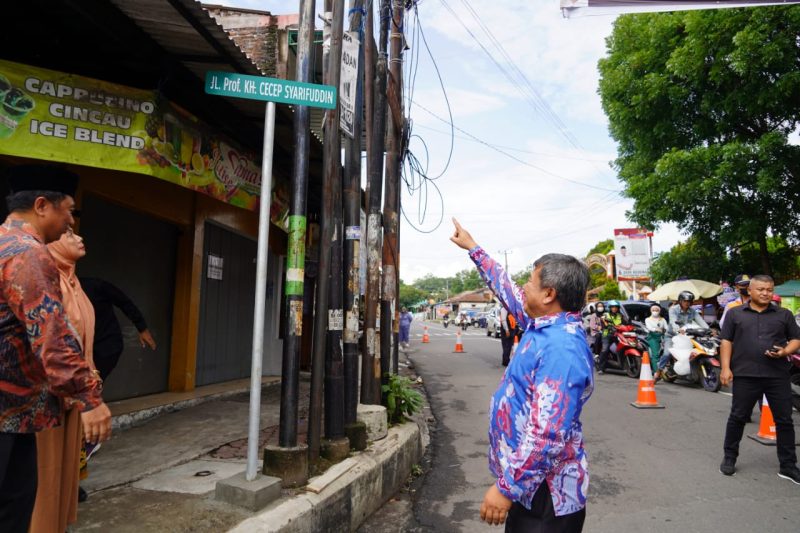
{"type": "Point", "coordinates": [160, 475]}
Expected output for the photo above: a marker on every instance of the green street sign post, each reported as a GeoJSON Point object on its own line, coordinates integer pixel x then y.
{"type": "Point", "coordinates": [270, 90]}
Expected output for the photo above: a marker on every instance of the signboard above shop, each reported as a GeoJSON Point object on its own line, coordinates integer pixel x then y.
{"type": "Point", "coordinates": [62, 117]}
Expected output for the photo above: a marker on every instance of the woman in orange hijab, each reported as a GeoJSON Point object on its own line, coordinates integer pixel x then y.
{"type": "Point", "coordinates": [59, 448]}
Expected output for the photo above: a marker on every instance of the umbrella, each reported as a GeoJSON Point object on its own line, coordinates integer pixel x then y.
{"type": "Point", "coordinates": [700, 289]}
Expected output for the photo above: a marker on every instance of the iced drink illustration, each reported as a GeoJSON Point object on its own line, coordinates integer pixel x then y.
{"type": "Point", "coordinates": [15, 105]}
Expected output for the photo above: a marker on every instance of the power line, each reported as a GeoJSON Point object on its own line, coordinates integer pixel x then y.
{"type": "Point", "coordinates": [521, 150]}
{"type": "Point", "coordinates": [515, 158]}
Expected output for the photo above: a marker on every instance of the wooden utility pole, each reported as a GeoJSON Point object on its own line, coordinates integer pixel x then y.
{"type": "Point", "coordinates": [389, 307]}
{"type": "Point", "coordinates": [352, 222]}
{"type": "Point", "coordinates": [295, 257]}
{"type": "Point", "coordinates": [371, 368]}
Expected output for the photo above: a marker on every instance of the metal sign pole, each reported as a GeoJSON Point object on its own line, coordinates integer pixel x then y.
{"type": "Point", "coordinates": [261, 293]}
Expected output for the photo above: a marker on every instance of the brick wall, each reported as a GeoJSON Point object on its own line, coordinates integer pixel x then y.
{"type": "Point", "coordinates": [256, 33]}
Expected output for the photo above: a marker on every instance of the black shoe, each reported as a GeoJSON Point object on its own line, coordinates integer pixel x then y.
{"type": "Point", "coordinates": [728, 466]}
{"type": "Point", "coordinates": [792, 473]}
{"type": "Point", "coordinates": [82, 495]}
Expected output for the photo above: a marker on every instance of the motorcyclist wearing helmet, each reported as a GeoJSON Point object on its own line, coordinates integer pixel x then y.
{"type": "Point", "coordinates": [612, 318]}
{"type": "Point", "coordinates": [681, 317]}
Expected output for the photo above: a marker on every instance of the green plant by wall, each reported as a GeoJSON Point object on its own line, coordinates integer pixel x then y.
{"type": "Point", "coordinates": [401, 398]}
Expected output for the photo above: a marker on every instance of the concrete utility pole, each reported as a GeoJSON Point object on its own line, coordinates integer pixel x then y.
{"type": "Point", "coordinates": [391, 198]}
{"type": "Point", "coordinates": [295, 259]}
{"type": "Point", "coordinates": [505, 253]}
{"type": "Point", "coordinates": [352, 221]}
{"type": "Point", "coordinates": [370, 368]}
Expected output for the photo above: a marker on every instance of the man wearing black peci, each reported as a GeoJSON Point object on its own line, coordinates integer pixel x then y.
{"type": "Point", "coordinates": [757, 339]}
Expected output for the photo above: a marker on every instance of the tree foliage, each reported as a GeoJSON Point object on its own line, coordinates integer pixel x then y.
{"type": "Point", "coordinates": [597, 274]}
{"type": "Point", "coordinates": [701, 104]}
{"type": "Point", "coordinates": [602, 247]}
{"type": "Point", "coordinates": [697, 259]}
{"type": "Point", "coordinates": [410, 295]}
{"type": "Point", "coordinates": [610, 291]}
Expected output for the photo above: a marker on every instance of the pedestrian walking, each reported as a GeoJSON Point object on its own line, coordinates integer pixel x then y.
{"type": "Point", "coordinates": [656, 327]}
{"type": "Point", "coordinates": [405, 326]}
{"type": "Point", "coordinates": [535, 434]}
{"type": "Point", "coordinates": [508, 330]}
{"type": "Point", "coordinates": [108, 341]}
{"type": "Point", "coordinates": [59, 450]}
{"type": "Point", "coordinates": [40, 357]}
{"type": "Point", "coordinates": [757, 340]}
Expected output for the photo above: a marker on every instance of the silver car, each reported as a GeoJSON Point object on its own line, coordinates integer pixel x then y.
{"type": "Point", "coordinates": [493, 323]}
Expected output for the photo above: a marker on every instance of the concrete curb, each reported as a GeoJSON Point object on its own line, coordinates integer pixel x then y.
{"type": "Point", "coordinates": [368, 482]}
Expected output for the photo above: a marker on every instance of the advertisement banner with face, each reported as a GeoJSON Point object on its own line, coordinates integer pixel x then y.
{"type": "Point", "coordinates": [632, 254]}
{"type": "Point", "coordinates": [55, 116]}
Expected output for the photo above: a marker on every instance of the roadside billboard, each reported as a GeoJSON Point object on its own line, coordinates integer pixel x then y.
{"type": "Point", "coordinates": [632, 254]}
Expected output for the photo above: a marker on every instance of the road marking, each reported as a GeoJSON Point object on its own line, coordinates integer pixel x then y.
{"type": "Point", "coordinates": [725, 393]}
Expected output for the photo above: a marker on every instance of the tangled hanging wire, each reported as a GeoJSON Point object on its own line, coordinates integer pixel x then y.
{"type": "Point", "coordinates": [416, 174]}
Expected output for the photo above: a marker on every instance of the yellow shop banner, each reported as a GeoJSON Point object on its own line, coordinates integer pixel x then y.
{"type": "Point", "coordinates": [72, 119]}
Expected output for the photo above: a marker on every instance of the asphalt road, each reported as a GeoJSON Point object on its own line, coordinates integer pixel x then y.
{"type": "Point", "coordinates": [651, 470]}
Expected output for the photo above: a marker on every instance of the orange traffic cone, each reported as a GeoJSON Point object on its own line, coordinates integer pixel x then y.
{"type": "Point", "coordinates": [766, 430]}
{"type": "Point", "coordinates": [646, 398]}
{"type": "Point", "coordinates": [459, 345]}
{"type": "Point", "coordinates": [425, 337]}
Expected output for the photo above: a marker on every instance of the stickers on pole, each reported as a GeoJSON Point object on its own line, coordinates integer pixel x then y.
{"type": "Point", "coordinates": [335, 320]}
{"type": "Point", "coordinates": [296, 258]}
{"type": "Point", "coordinates": [348, 80]}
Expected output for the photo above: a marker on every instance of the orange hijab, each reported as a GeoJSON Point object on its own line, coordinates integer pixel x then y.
{"type": "Point", "coordinates": [77, 305]}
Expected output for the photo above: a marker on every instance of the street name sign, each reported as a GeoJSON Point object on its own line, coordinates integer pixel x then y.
{"type": "Point", "coordinates": [270, 89]}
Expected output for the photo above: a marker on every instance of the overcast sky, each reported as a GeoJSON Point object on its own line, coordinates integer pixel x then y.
{"type": "Point", "coordinates": [543, 194]}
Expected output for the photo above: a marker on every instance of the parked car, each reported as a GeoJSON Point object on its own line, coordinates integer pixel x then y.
{"type": "Point", "coordinates": [493, 323]}
{"type": "Point", "coordinates": [479, 320]}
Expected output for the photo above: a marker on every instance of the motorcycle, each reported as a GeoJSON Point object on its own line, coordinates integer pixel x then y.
{"type": "Point", "coordinates": [463, 322]}
{"type": "Point", "coordinates": [446, 322]}
{"type": "Point", "coordinates": [694, 357]}
{"type": "Point", "coordinates": [794, 377]}
{"type": "Point", "coordinates": [625, 351]}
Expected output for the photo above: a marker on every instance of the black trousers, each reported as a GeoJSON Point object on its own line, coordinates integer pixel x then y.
{"type": "Point", "coordinates": [106, 363]}
{"type": "Point", "coordinates": [542, 518]}
{"type": "Point", "coordinates": [746, 392]}
{"type": "Point", "coordinates": [605, 345]}
{"type": "Point", "coordinates": [18, 481]}
{"type": "Point", "coordinates": [507, 343]}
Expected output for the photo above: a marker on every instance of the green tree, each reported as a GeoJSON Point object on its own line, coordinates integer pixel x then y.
{"type": "Point", "coordinates": [410, 295]}
{"type": "Point", "coordinates": [698, 259]}
{"type": "Point", "coordinates": [597, 274]}
{"type": "Point", "coordinates": [522, 277]}
{"type": "Point", "coordinates": [692, 259]}
{"type": "Point", "coordinates": [602, 247]}
{"type": "Point", "coordinates": [701, 104]}
{"type": "Point", "coordinates": [610, 291]}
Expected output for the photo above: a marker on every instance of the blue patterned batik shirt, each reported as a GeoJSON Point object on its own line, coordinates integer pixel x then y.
{"type": "Point", "coordinates": [535, 432]}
